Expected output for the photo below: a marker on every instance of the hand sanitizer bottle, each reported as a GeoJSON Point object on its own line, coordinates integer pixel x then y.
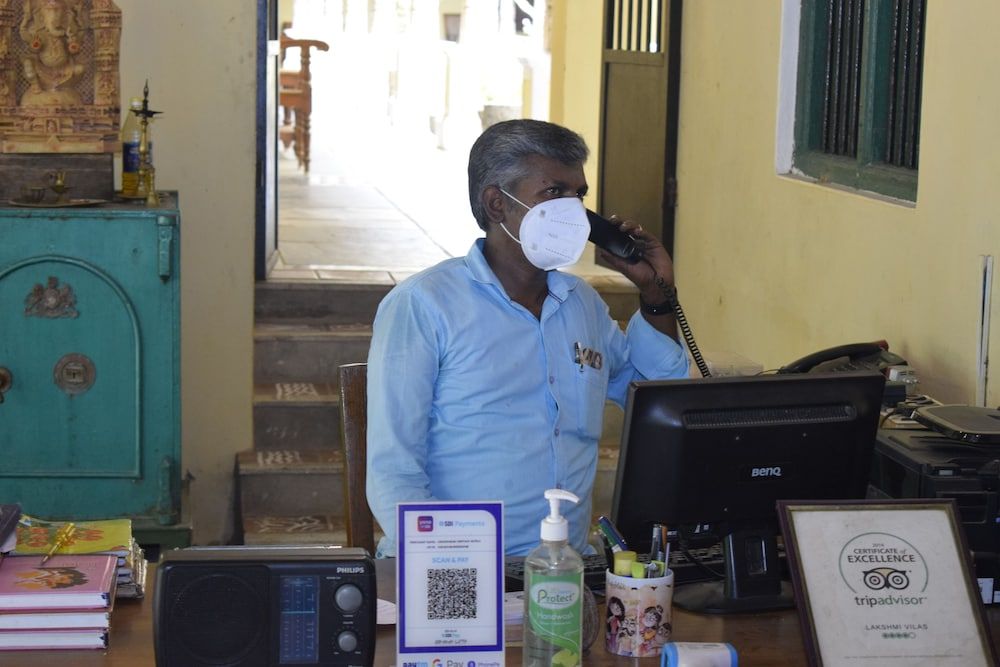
{"type": "Point", "coordinates": [553, 594]}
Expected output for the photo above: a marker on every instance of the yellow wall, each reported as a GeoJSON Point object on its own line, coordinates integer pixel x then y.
{"type": "Point", "coordinates": [773, 267]}
{"type": "Point", "coordinates": [575, 43]}
{"type": "Point", "coordinates": [199, 58]}
{"type": "Point", "coordinates": [286, 12]}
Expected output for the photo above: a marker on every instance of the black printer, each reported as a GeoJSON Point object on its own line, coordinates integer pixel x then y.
{"type": "Point", "coordinates": [921, 463]}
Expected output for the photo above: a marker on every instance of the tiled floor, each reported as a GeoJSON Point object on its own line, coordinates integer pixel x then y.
{"type": "Point", "coordinates": [381, 200]}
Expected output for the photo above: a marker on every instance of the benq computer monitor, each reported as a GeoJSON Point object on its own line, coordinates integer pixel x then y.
{"type": "Point", "coordinates": [723, 451]}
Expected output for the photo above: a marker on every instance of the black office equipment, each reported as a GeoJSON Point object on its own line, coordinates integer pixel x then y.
{"type": "Point", "coordinates": [850, 357]}
{"type": "Point", "coordinates": [723, 451]}
{"type": "Point", "coordinates": [915, 463]}
{"type": "Point", "coordinates": [966, 423]}
{"type": "Point", "coordinates": [265, 606]}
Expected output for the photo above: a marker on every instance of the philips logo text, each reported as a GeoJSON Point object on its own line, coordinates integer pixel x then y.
{"type": "Point", "coordinates": [766, 471]}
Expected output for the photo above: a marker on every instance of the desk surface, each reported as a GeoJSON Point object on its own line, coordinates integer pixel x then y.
{"type": "Point", "coordinates": [761, 640]}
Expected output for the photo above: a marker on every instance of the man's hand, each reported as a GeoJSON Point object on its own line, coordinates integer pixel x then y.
{"type": "Point", "coordinates": [656, 262]}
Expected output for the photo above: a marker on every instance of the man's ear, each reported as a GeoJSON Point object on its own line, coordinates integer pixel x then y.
{"type": "Point", "coordinates": [494, 203]}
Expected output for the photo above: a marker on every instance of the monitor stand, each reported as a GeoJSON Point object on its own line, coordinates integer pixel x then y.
{"type": "Point", "coordinates": [753, 577]}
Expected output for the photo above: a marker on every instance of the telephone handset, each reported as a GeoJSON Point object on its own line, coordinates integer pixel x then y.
{"type": "Point", "coordinates": [605, 234]}
{"type": "Point", "coordinates": [854, 356]}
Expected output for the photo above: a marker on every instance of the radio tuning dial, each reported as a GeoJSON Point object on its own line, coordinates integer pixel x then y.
{"type": "Point", "coordinates": [348, 598]}
{"type": "Point", "coordinates": [347, 641]}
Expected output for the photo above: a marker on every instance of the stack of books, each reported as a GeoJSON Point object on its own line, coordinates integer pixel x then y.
{"type": "Point", "coordinates": [105, 537]}
{"type": "Point", "coordinates": [56, 602]}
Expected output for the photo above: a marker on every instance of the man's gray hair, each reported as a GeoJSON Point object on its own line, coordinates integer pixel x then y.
{"type": "Point", "coordinates": [500, 154]}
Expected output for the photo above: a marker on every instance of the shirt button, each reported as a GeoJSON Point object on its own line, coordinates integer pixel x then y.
{"type": "Point", "coordinates": [557, 431]}
{"type": "Point", "coordinates": [552, 379]}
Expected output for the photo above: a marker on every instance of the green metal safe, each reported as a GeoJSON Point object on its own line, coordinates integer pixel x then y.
{"type": "Point", "coordinates": [90, 361]}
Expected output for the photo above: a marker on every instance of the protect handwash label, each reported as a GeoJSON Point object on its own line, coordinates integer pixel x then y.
{"type": "Point", "coordinates": [555, 608]}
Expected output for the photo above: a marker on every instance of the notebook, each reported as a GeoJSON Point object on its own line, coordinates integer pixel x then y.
{"type": "Point", "coordinates": [112, 536]}
{"type": "Point", "coordinates": [65, 582]}
{"type": "Point", "coordinates": [45, 639]}
{"type": "Point", "coordinates": [54, 620]}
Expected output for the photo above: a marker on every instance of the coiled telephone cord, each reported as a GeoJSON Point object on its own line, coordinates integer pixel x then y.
{"type": "Point", "coordinates": [671, 296]}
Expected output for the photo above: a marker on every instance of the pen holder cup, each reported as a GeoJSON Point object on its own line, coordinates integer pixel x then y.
{"type": "Point", "coordinates": [638, 614]}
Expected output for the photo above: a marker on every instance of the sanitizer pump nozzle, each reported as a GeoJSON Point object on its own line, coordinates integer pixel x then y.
{"type": "Point", "coordinates": [555, 528]}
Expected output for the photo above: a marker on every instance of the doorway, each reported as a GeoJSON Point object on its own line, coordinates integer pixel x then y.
{"type": "Point", "coordinates": [398, 99]}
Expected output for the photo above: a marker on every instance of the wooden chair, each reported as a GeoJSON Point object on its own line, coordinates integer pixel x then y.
{"type": "Point", "coordinates": [354, 433]}
{"type": "Point", "coordinates": [295, 97]}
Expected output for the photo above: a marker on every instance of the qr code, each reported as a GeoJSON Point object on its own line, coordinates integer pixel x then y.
{"type": "Point", "coordinates": [451, 593]}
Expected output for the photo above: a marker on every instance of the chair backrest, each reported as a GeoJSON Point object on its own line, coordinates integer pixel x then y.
{"type": "Point", "coordinates": [354, 434]}
{"type": "Point", "coordinates": [305, 47]}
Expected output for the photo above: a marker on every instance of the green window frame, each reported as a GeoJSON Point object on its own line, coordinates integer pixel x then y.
{"type": "Point", "coordinates": [857, 116]}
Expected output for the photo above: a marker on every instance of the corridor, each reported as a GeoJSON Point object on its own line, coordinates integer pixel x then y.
{"type": "Point", "coordinates": [381, 200]}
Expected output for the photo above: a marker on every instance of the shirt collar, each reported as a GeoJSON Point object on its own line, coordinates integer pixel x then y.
{"type": "Point", "coordinates": [560, 284]}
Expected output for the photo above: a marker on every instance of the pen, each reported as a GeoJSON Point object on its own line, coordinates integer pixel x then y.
{"type": "Point", "coordinates": [62, 536]}
{"type": "Point", "coordinates": [655, 550]}
{"type": "Point", "coordinates": [656, 544]}
{"type": "Point", "coordinates": [611, 534]}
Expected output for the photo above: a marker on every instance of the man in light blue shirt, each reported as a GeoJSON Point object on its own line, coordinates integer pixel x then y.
{"type": "Point", "coordinates": [487, 374]}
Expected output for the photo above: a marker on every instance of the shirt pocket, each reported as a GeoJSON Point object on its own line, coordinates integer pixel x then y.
{"type": "Point", "coordinates": [592, 391]}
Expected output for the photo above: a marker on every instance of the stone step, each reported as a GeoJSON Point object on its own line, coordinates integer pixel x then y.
{"type": "Point", "coordinates": [346, 303]}
{"type": "Point", "coordinates": [307, 474]}
{"type": "Point", "coordinates": [307, 352]}
{"type": "Point", "coordinates": [306, 415]}
{"type": "Point", "coordinates": [317, 301]}
{"type": "Point", "coordinates": [291, 482]}
{"type": "Point", "coordinates": [303, 529]}
{"type": "Point", "coordinates": [296, 497]}
{"type": "Point", "coordinates": [296, 415]}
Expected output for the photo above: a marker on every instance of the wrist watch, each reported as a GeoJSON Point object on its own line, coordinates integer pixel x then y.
{"type": "Point", "coordinates": [665, 308]}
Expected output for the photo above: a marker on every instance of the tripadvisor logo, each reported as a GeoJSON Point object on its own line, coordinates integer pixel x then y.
{"type": "Point", "coordinates": [883, 570]}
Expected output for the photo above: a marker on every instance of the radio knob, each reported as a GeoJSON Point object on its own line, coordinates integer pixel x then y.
{"type": "Point", "coordinates": [347, 641]}
{"type": "Point", "coordinates": [348, 598]}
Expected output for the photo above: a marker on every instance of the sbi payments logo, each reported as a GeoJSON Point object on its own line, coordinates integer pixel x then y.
{"type": "Point", "coordinates": [555, 595]}
{"type": "Point", "coordinates": [883, 570]}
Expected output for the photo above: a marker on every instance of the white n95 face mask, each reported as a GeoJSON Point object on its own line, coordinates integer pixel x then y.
{"type": "Point", "coordinates": [553, 232]}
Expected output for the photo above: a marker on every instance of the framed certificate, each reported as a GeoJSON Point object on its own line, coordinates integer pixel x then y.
{"type": "Point", "coordinates": [884, 583]}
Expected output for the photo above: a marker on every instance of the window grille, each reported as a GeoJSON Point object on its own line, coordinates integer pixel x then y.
{"type": "Point", "coordinates": [859, 88]}
{"type": "Point", "coordinates": [845, 24]}
{"type": "Point", "coordinates": [634, 25]}
{"type": "Point", "coordinates": [905, 74]}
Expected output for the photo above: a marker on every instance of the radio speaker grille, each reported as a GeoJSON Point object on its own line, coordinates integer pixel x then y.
{"type": "Point", "coordinates": [217, 618]}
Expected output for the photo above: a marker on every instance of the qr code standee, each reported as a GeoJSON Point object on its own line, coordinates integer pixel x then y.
{"type": "Point", "coordinates": [451, 593]}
